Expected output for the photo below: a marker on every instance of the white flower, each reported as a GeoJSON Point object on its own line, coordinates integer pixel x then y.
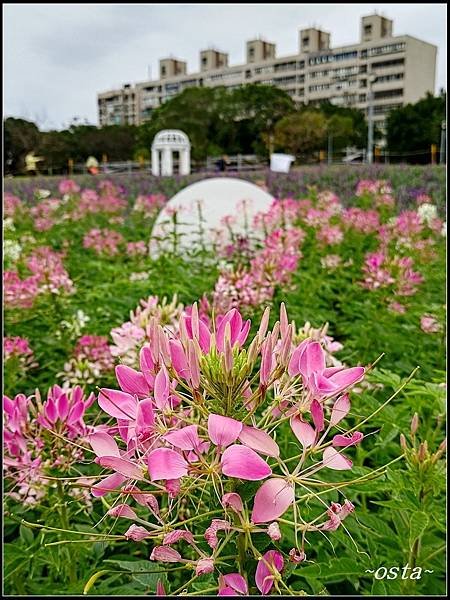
{"type": "Point", "coordinates": [139, 276]}
{"type": "Point", "coordinates": [444, 229]}
{"type": "Point", "coordinates": [41, 194]}
{"type": "Point", "coordinates": [8, 224]}
{"type": "Point", "coordinates": [11, 250]}
{"type": "Point", "coordinates": [427, 212]}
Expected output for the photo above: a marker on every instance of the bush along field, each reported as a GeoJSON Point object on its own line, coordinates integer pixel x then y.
{"type": "Point", "coordinates": [263, 417]}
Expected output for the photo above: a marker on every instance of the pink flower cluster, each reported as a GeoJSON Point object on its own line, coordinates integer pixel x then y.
{"type": "Point", "coordinates": [68, 186]}
{"type": "Point", "coordinates": [103, 241]}
{"type": "Point", "coordinates": [271, 266]}
{"type": "Point", "coordinates": [187, 420]}
{"type": "Point", "coordinates": [44, 214]}
{"type": "Point", "coordinates": [89, 202]}
{"type": "Point", "coordinates": [149, 205]}
{"type": "Point", "coordinates": [429, 324]}
{"type": "Point", "coordinates": [365, 221]}
{"type": "Point", "coordinates": [29, 452]}
{"type": "Point", "coordinates": [48, 276]}
{"type": "Point", "coordinates": [11, 204]}
{"type": "Point", "coordinates": [91, 359]}
{"type": "Point", "coordinates": [19, 349]}
{"type": "Point", "coordinates": [380, 190]}
{"type": "Point", "coordinates": [381, 271]}
{"type": "Point", "coordinates": [131, 335]}
{"type": "Point", "coordinates": [137, 248]}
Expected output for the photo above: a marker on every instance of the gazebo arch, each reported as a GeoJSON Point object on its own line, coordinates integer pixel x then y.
{"type": "Point", "coordinates": [166, 142]}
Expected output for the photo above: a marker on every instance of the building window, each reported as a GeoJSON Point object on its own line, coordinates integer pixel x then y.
{"type": "Point", "coordinates": [388, 94]}
{"type": "Point", "coordinates": [163, 70]}
{"type": "Point", "coordinates": [305, 41]}
{"type": "Point", "coordinates": [362, 97]}
{"type": "Point", "coordinates": [204, 60]}
{"type": "Point", "coordinates": [363, 83]}
{"type": "Point", "coordinates": [363, 68]}
{"type": "Point", "coordinates": [251, 52]}
{"type": "Point", "coordinates": [301, 64]}
{"type": "Point", "coordinates": [367, 29]}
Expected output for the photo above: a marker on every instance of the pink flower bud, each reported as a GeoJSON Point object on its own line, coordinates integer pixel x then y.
{"type": "Point", "coordinates": [273, 531]}
{"type": "Point", "coordinates": [122, 510]}
{"type": "Point", "coordinates": [296, 556]}
{"type": "Point", "coordinates": [165, 554]}
{"type": "Point", "coordinates": [232, 500]}
{"type": "Point", "coordinates": [414, 423]}
{"type": "Point", "coordinates": [175, 536]}
{"type": "Point", "coordinates": [204, 565]}
{"type": "Point", "coordinates": [137, 533]}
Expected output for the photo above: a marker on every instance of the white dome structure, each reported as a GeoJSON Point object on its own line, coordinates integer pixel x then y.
{"type": "Point", "coordinates": [221, 201]}
{"type": "Point", "coordinates": [164, 144]}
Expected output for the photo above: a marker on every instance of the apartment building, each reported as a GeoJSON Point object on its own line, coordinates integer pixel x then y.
{"type": "Point", "coordinates": [397, 70]}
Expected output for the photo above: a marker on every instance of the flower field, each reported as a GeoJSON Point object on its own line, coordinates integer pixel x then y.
{"type": "Point", "coordinates": [261, 417]}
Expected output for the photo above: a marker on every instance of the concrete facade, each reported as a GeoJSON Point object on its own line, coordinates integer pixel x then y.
{"type": "Point", "coordinates": [403, 69]}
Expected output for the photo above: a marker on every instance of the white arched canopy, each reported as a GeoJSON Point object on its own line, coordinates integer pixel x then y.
{"type": "Point", "coordinates": [166, 142]}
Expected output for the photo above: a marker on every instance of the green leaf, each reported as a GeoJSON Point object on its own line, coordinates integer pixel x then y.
{"type": "Point", "coordinates": [26, 535]}
{"type": "Point", "coordinates": [418, 524]}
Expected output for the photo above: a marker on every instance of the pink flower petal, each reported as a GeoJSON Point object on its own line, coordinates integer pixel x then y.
{"type": "Point", "coordinates": [244, 463]}
{"type": "Point", "coordinates": [272, 500]}
{"type": "Point", "coordinates": [185, 438]}
{"type": "Point", "coordinates": [236, 582]}
{"type": "Point", "coordinates": [161, 390]}
{"type": "Point", "coordinates": [223, 431]}
{"type": "Point", "coordinates": [131, 381]}
{"type": "Point", "coordinates": [340, 409]}
{"type": "Point", "coordinates": [345, 440]}
{"type": "Point", "coordinates": [103, 444]}
{"type": "Point", "coordinates": [175, 536]}
{"type": "Point", "coordinates": [312, 359]}
{"type": "Point", "coordinates": [343, 379]}
{"type": "Point", "coordinates": [271, 562]}
{"type": "Point", "coordinates": [121, 465]}
{"type": "Point", "coordinates": [164, 463]}
{"type": "Point", "coordinates": [333, 460]}
{"type": "Point", "coordinates": [317, 415]}
{"type": "Point", "coordinates": [303, 431]}
{"type": "Point", "coordinates": [108, 484]}
{"type": "Point", "coordinates": [259, 440]}
{"type": "Point", "coordinates": [145, 419]}
{"type": "Point", "coordinates": [118, 404]}
{"type": "Point", "coordinates": [294, 362]}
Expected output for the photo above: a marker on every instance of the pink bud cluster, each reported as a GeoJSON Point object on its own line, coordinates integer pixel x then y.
{"type": "Point", "coordinates": [103, 241]}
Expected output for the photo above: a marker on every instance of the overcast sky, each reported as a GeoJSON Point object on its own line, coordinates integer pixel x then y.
{"type": "Point", "coordinates": [58, 56]}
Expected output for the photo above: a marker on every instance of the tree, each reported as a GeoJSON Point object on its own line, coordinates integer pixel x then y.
{"type": "Point", "coordinates": [20, 138]}
{"type": "Point", "coordinates": [414, 127]}
{"type": "Point", "coordinates": [301, 133]}
{"type": "Point", "coordinates": [221, 120]}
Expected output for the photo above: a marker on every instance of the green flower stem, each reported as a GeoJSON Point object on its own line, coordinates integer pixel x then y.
{"type": "Point", "coordinates": [65, 524]}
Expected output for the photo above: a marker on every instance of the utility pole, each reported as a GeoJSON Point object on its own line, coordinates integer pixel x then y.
{"type": "Point", "coordinates": [371, 80]}
{"type": "Point", "coordinates": [442, 155]}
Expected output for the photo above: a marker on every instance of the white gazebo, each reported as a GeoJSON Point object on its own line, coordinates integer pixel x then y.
{"type": "Point", "coordinates": [164, 144]}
